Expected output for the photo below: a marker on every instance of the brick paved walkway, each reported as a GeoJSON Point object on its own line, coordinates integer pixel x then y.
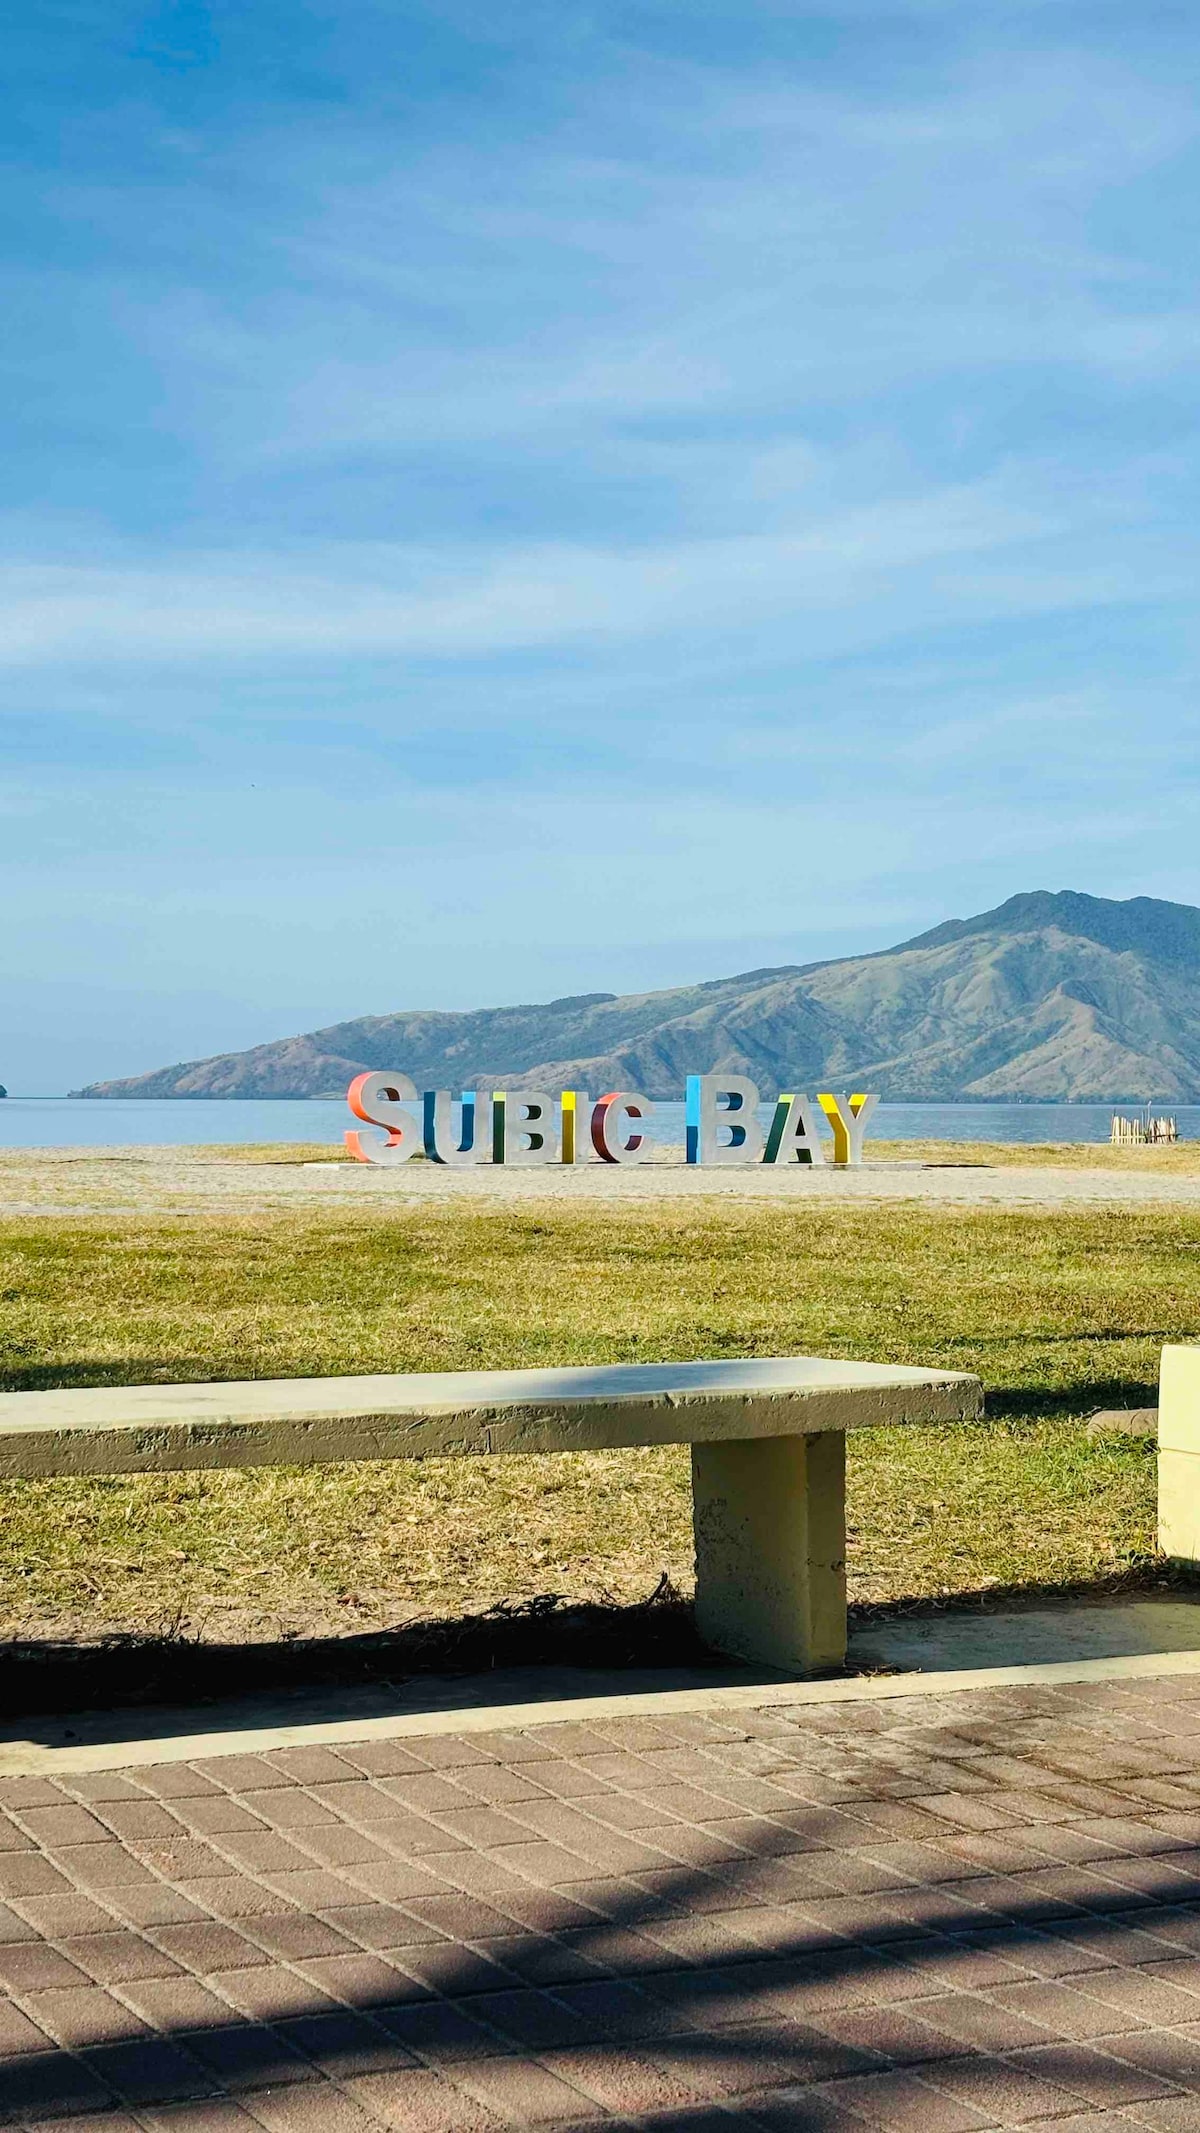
{"type": "Point", "coordinates": [938, 1913]}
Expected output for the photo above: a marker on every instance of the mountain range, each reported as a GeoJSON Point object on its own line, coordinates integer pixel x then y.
{"type": "Point", "coordinates": [1051, 996]}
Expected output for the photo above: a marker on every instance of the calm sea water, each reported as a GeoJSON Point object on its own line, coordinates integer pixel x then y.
{"type": "Point", "coordinates": [74, 1122]}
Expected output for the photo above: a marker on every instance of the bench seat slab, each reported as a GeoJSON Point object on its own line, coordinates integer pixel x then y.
{"type": "Point", "coordinates": [132, 1429]}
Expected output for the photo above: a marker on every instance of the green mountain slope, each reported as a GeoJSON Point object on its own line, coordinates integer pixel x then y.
{"type": "Point", "coordinates": [1049, 996]}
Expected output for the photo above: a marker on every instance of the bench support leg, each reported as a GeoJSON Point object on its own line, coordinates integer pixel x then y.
{"type": "Point", "coordinates": [1179, 1455]}
{"type": "Point", "coordinates": [770, 1523]}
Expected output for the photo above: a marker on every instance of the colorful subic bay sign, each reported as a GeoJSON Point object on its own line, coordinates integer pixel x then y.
{"type": "Point", "coordinates": [530, 1126]}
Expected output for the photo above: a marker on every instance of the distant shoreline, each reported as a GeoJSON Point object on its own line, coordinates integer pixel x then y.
{"type": "Point", "coordinates": [514, 1082]}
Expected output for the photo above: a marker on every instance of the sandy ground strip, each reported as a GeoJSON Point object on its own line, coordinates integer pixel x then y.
{"type": "Point", "coordinates": [106, 1181]}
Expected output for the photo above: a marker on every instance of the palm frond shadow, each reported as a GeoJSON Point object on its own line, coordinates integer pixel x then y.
{"type": "Point", "coordinates": [710, 1979]}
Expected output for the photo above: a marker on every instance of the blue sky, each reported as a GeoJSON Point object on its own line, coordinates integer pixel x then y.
{"type": "Point", "coordinates": [509, 501]}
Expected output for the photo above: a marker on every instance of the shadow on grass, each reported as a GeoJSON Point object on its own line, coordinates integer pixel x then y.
{"type": "Point", "coordinates": [1066, 1403]}
{"type": "Point", "coordinates": [179, 1665]}
{"type": "Point", "coordinates": [1147, 1576]}
{"type": "Point", "coordinates": [626, 1980]}
{"type": "Point", "coordinates": [45, 1676]}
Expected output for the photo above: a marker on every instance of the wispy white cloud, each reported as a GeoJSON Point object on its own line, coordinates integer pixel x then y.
{"type": "Point", "coordinates": [1001, 546]}
{"type": "Point", "coordinates": [740, 460]}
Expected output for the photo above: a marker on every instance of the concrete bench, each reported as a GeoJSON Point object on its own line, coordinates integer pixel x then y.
{"type": "Point", "coordinates": [768, 1454]}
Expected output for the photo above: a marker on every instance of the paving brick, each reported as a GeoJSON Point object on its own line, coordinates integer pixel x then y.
{"type": "Point", "coordinates": [312, 1888]}
{"type": "Point", "coordinates": [309, 1766]}
{"type": "Point", "coordinates": [569, 1781]}
{"type": "Point", "coordinates": [1143, 1997]}
{"type": "Point", "coordinates": [473, 1824]}
{"type": "Point", "coordinates": [18, 2034]}
{"type": "Point", "coordinates": [742, 2057]}
{"type": "Point", "coordinates": [14, 1927]}
{"type": "Point", "coordinates": [457, 1917]}
{"type": "Point", "coordinates": [451, 1970]}
{"type": "Point", "coordinates": [394, 1880]}
{"type": "Point", "coordinates": [426, 1793]}
{"type": "Point", "coordinates": [1182, 1971]}
{"type": "Point", "coordinates": [420, 2100]}
{"type": "Point", "coordinates": [522, 2091]}
{"type": "Point", "coordinates": [452, 1751]}
{"type": "Point", "coordinates": [533, 2020]}
{"type": "Point", "coordinates": [1066, 2011]}
{"type": "Point", "coordinates": [239, 1896]}
{"type": "Point", "coordinates": [343, 2044]}
{"type": "Point", "coordinates": [982, 2024]}
{"type": "Point", "coordinates": [216, 2114]}
{"type": "Point", "coordinates": [52, 2084]}
{"type": "Point", "coordinates": [142, 1819]}
{"type": "Point", "coordinates": [181, 1858]}
{"type": "Point", "coordinates": [294, 1934]}
{"type": "Point", "coordinates": [703, 1939]}
{"type": "Point", "coordinates": [498, 1784]}
{"type": "Point", "coordinates": [287, 1806]}
{"type": "Point", "coordinates": [377, 1758]}
{"type": "Point", "coordinates": [381, 1926]}
{"type": "Point", "coordinates": [208, 1944]}
{"type": "Point", "coordinates": [539, 1960]}
{"type": "Point", "coordinates": [359, 1979]}
{"type": "Point", "coordinates": [177, 2004]}
{"type": "Point", "coordinates": [211, 1813]}
{"type": "Point", "coordinates": [1092, 2072]}
{"type": "Point", "coordinates": [804, 2110]}
{"type": "Point", "coordinates": [620, 2081]}
{"type": "Point", "coordinates": [30, 1966]}
{"type": "Point", "coordinates": [244, 2057]}
{"type": "Point", "coordinates": [1178, 1925]}
{"type": "Point", "coordinates": [904, 2103]}
{"type": "Point", "coordinates": [240, 1773]}
{"type": "Point", "coordinates": [886, 2033]}
{"type": "Point", "coordinates": [92, 1785]}
{"type": "Point", "coordinates": [29, 1874]}
{"type": "Point", "coordinates": [549, 1910]}
{"type": "Point", "coordinates": [113, 1958]}
{"type": "Point", "coordinates": [1168, 2114]}
{"type": "Point", "coordinates": [441, 2032]}
{"type": "Point", "coordinates": [101, 1866]}
{"type": "Point", "coordinates": [340, 1844]}
{"type": "Point", "coordinates": [1163, 2052]}
{"type": "Point", "coordinates": [20, 1792]}
{"type": "Point", "coordinates": [312, 2111]}
{"type": "Point", "coordinates": [1010, 2095]}
{"type": "Point", "coordinates": [262, 1851]}
{"type": "Point", "coordinates": [1114, 1942]}
{"type": "Point", "coordinates": [272, 1991]}
{"type": "Point", "coordinates": [152, 1903]}
{"type": "Point", "coordinates": [94, 2122]}
{"type": "Point", "coordinates": [149, 2071]}
{"type": "Point", "coordinates": [175, 1781]}
{"type": "Point", "coordinates": [84, 2015]}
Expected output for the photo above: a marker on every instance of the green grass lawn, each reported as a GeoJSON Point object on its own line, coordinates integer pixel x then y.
{"type": "Point", "coordinates": [1059, 1313]}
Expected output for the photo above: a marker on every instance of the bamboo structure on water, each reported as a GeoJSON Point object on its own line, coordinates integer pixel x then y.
{"type": "Point", "coordinates": [1144, 1132]}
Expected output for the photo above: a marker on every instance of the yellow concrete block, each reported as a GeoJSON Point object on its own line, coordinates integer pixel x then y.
{"type": "Point", "coordinates": [770, 1525]}
{"type": "Point", "coordinates": [1179, 1454]}
{"type": "Point", "coordinates": [1179, 1399]}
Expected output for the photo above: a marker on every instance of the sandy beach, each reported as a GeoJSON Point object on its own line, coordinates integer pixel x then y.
{"type": "Point", "coordinates": [140, 1181]}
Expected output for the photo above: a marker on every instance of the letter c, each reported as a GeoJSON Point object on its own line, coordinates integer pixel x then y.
{"type": "Point", "coordinates": [609, 1118]}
